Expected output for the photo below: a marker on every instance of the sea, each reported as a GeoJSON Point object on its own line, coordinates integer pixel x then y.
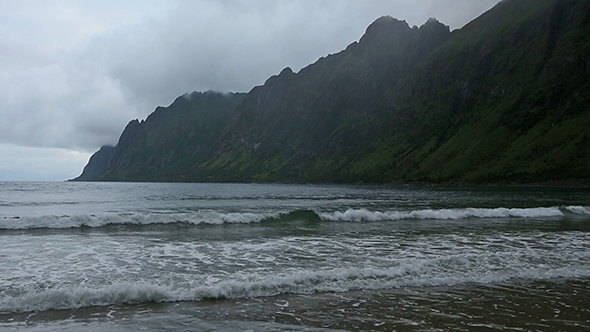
{"type": "Point", "coordinates": [83, 256]}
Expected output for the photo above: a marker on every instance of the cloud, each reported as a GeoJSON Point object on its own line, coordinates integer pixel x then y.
{"type": "Point", "coordinates": [62, 105]}
{"type": "Point", "coordinates": [73, 73]}
{"type": "Point", "coordinates": [19, 163]}
{"type": "Point", "coordinates": [235, 45]}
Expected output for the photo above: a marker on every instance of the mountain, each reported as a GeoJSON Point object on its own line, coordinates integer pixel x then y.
{"type": "Point", "coordinates": [504, 99]}
{"type": "Point", "coordinates": [98, 164]}
{"type": "Point", "coordinates": [170, 140]}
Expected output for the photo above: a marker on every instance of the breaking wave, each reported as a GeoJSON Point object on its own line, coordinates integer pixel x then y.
{"type": "Point", "coordinates": [581, 210]}
{"type": "Point", "coordinates": [449, 214]}
{"type": "Point", "coordinates": [95, 221]}
{"type": "Point", "coordinates": [422, 273]}
{"type": "Point", "coordinates": [217, 218]}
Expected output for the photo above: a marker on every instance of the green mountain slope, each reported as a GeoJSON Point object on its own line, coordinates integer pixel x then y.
{"type": "Point", "coordinates": [171, 138]}
{"type": "Point", "coordinates": [292, 128]}
{"type": "Point", "coordinates": [504, 99]}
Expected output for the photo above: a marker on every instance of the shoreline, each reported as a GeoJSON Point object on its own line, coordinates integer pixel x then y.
{"type": "Point", "coordinates": [556, 304]}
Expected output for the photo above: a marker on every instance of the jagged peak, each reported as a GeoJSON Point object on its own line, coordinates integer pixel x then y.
{"type": "Point", "coordinates": [384, 25]}
{"type": "Point", "coordinates": [385, 22]}
{"type": "Point", "coordinates": [434, 24]}
{"type": "Point", "coordinates": [432, 20]}
{"type": "Point", "coordinates": [286, 71]}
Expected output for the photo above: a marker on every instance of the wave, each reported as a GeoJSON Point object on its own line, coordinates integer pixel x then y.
{"type": "Point", "coordinates": [96, 221]}
{"type": "Point", "coordinates": [217, 218]}
{"type": "Point", "coordinates": [580, 210]}
{"type": "Point", "coordinates": [449, 214]}
{"type": "Point", "coordinates": [416, 274]}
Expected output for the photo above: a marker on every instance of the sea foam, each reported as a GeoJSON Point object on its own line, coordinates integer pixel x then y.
{"type": "Point", "coordinates": [414, 273]}
{"type": "Point", "coordinates": [581, 210]}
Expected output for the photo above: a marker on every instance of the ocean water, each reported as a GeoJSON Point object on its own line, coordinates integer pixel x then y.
{"type": "Point", "coordinates": [281, 257]}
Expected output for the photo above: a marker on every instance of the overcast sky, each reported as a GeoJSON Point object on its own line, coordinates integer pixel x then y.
{"type": "Point", "coordinates": [74, 72]}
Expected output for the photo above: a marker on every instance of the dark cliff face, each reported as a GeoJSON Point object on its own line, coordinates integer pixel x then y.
{"type": "Point", "coordinates": [167, 144]}
{"type": "Point", "coordinates": [273, 127]}
{"type": "Point", "coordinates": [297, 119]}
{"type": "Point", "coordinates": [97, 164]}
{"type": "Point", "coordinates": [504, 99]}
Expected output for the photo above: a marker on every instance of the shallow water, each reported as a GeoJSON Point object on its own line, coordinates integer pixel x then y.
{"type": "Point", "coordinates": [236, 257]}
{"type": "Point", "coordinates": [554, 305]}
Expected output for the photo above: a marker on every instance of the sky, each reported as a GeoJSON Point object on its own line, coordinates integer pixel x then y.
{"type": "Point", "coordinates": [73, 73]}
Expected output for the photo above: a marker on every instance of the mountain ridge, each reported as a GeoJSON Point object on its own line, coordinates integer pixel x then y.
{"type": "Point", "coordinates": [403, 104]}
